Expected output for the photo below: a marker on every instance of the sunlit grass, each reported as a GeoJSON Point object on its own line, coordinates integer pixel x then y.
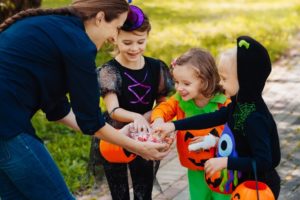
{"type": "Point", "coordinates": [179, 25]}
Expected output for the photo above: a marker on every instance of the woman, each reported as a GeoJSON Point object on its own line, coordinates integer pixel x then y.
{"type": "Point", "coordinates": [44, 55]}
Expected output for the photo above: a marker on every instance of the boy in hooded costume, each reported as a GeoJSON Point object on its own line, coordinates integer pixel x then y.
{"type": "Point", "coordinates": [247, 116]}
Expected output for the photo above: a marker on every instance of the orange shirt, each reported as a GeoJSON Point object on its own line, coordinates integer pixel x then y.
{"type": "Point", "coordinates": [173, 108]}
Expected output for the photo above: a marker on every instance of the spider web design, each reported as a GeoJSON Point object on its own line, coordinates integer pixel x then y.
{"type": "Point", "coordinates": [140, 99]}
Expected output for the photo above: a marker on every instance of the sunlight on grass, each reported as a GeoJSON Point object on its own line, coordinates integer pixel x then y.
{"type": "Point", "coordinates": [179, 24]}
{"type": "Point", "coordinates": [215, 26]}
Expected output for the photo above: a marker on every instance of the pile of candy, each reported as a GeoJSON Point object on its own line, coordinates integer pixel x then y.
{"type": "Point", "coordinates": [146, 136]}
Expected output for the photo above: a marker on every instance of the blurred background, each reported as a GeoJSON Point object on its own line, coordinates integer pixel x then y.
{"type": "Point", "coordinates": [177, 25]}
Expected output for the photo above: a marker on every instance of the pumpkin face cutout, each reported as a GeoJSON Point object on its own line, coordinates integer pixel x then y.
{"type": "Point", "coordinates": [225, 180]}
{"type": "Point", "coordinates": [247, 191]}
{"type": "Point", "coordinates": [190, 159]}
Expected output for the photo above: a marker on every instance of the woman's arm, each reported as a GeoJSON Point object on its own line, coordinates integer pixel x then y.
{"type": "Point", "coordinates": [70, 121]}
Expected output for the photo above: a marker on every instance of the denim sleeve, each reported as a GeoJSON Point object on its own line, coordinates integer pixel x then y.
{"type": "Point", "coordinates": [82, 84]}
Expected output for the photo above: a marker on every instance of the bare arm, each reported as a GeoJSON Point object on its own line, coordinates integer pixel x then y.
{"type": "Point", "coordinates": [70, 121]}
{"type": "Point", "coordinates": [149, 151]}
{"type": "Point", "coordinates": [120, 114]}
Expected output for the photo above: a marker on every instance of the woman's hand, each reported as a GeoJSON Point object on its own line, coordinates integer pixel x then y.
{"type": "Point", "coordinates": [127, 129]}
{"type": "Point", "coordinates": [152, 151]}
{"type": "Point", "coordinates": [215, 164]}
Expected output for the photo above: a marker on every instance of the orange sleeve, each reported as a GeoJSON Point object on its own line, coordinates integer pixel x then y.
{"type": "Point", "coordinates": [166, 110]}
{"type": "Point", "coordinates": [228, 101]}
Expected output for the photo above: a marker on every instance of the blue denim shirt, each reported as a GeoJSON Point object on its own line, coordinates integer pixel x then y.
{"type": "Point", "coordinates": [43, 58]}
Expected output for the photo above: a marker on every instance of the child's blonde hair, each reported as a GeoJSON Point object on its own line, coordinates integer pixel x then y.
{"type": "Point", "coordinates": [230, 55]}
{"type": "Point", "coordinates": [204, 65]}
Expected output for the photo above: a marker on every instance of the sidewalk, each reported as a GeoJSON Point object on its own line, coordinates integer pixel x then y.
{"type": "Point", "coordinates": [282, 95]}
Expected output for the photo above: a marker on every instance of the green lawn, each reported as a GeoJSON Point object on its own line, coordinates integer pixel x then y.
{"type": "Point", "coordinates": [177, 26]}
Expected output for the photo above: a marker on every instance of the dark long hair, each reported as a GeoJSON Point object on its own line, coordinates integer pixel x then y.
{"type": "Point", "coordinates": [85, 9]}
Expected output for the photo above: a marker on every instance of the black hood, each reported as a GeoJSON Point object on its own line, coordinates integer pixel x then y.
{"type": "Point", "coordinates": [253, 68]}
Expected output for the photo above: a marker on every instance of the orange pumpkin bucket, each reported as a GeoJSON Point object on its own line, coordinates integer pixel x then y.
{"type": "Point", "coordinates": [247, 191]}
{"type": "Point", "coordinates": [114, 153]}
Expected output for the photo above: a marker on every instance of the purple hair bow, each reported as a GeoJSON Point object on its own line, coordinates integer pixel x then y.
{"type": "Point", "coordinates": [135, 19]}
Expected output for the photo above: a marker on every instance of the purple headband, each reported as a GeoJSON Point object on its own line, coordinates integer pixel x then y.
{"type": "Point", "coordinates": [135, 19]}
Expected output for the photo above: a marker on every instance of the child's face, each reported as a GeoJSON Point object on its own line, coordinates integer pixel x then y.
{"type": "Point", "coordinates": [228, 74]}
{"type": "Point", "coordinates": [131, 45]}
{"type": "Point", "coordinates": [187, 83]}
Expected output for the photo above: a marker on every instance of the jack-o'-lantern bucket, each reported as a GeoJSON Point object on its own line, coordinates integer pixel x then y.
{"type": "Point", "coordinates": [248, 191]}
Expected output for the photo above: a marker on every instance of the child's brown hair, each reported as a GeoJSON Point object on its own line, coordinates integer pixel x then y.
{"type": "Point", "coordinates": [205, 66]}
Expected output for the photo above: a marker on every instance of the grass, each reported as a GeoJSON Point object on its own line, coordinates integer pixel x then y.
{"type": "Point", "coordinates": [177, 26]}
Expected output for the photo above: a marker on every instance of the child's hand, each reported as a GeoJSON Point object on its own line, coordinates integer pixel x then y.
{"type": "Point", "coordinates": [165, 129]}
{"type": "Point", "coordinates": [157, 123]}
{"type": "Point", "coordinates": [141, 124]}
{"type": "Point", "coordinates": [215, 164]}
{"type": "Point", "coordinates": [128, 129]}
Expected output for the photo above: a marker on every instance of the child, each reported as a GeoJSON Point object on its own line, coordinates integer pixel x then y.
{"type": "Point", "coordinates": [130, 84]}
{"type": "Point", "coordinates": [243, 73]}
{"type": "Point", "coordinates": [198, 92]}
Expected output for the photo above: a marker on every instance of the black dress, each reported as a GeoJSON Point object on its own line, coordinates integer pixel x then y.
{"type": "Point", "coordinates": [137, 91]}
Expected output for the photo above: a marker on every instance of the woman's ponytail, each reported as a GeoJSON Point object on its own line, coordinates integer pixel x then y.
{"type": "Point", "coordinates": [35, 12]}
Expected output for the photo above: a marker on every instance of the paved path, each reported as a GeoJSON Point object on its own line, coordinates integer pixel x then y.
{"type": "Point", "coordinates": [282, 94]}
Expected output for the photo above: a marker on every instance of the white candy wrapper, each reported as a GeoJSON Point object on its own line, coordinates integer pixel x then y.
{"type": "Point", "coordinates": [208, 142]}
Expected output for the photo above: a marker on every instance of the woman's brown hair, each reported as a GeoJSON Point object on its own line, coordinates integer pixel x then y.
{"type": "Point", "coordinates": [85, 9]}
{"type": "Point", "coordinates": [205, 66]}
